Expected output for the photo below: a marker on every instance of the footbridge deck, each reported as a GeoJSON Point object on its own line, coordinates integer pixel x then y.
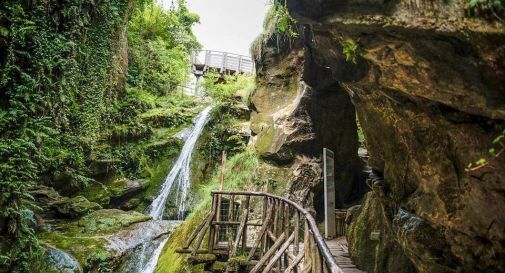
{"type": "Point", "coordinates": [259, 232]}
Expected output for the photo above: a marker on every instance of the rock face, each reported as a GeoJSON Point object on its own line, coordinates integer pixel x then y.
{"type": "Point", "coordinates": [430, 96]}
{"type": "Point", "coordinates": [292, 122]}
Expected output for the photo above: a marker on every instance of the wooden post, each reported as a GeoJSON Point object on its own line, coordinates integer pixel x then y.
{"type": "Point", "coordinates": [223, 169]}
{"type": "Point", "coordinates": [244, 232]}
{"type": "Point", "coordinates": [231, 217]}
{"type": "Point", "coordinates": [219, 197]}
{"type": "Point", "coordinates": [306, 245]}
{"type": "Point", "coordinates": [281, 227]}
{"type": "Point", "coordinates": [296, 246]}
{"type": "Point", "coordinates": [241, 228]}
{"type": "Point", "coordinates": [212, 229]}
{"type": "Point", "coordinates": [287, 228]}
{"type": "Point", "coordinates": [265, 239]}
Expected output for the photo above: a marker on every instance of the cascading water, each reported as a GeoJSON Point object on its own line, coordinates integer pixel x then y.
{"type": "Point", "coordinates": [180, 171]}
{"type": "Point", "coordinates": [179, 176]}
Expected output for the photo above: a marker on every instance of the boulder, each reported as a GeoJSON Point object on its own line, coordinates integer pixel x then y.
{"type": "Point", "coordinates": [59, 261]}
{"type": "Point", "coordinates": [74, 207]}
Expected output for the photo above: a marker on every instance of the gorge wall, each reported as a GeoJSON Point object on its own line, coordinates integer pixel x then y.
{"type": "Point", "coordinates": [427, 86]}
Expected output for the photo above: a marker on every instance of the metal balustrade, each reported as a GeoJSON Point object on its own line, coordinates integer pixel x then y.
{"type": "Point", "coordinates": [223, 62]}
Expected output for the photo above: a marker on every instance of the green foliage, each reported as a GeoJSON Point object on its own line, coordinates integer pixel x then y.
{"type": "Point", "coordinates": [350, 50]}
{"type": "Point", "coordinates": [230, 94]}
{"type": "Point", "coordinates": [278, 24]}
{"type": "Point", "coordinates": [498, 143]}
{"type": "Point", "coordinates": [227, 88]}
{"type": "Point", "coordinates": [283, 21]}
{"type": "Point", "coordinates": [61, 96]}
{"type": "Point", "coordinates": [160, 42]}
{"type": "Point", "coordinates": [55, 82]}
{"type": "Point", "coordinates": [488, 9]}
{"type": "Point", "coordinates": [133, 134]}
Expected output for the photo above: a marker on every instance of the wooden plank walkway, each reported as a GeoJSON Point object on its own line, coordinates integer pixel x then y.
{"type": "Point", "coordinates": [340, 251]}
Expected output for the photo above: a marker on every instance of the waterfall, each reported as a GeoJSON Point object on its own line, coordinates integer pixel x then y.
{"type": "Point", "coordinates": [179, 177]}
{"type": "Point", "coordinates": [180, 172]}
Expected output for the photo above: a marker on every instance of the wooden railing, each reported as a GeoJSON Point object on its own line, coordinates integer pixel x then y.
{"type": "Point", "coordinates": [202, 60]}
{"type": "Point", "coordinates": [263, 233]}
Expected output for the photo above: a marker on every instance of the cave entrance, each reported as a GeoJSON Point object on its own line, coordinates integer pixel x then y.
{"type": "Point", "coordinates": [335, 124]}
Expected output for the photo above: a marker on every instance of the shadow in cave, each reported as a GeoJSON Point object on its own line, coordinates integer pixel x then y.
{"type": "Point", "coordinates": [335, 125]}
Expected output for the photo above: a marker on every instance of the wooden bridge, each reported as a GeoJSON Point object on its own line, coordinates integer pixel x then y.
{"type": "Point", "coordinates": [223, 62]}
{"type": "Point", "coordinates": [259, 232]}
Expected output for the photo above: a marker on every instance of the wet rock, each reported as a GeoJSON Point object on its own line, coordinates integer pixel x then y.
{"type": "Point", "coordinates": [131, 204]}
{"type": "Point", "coordinates": [61, 262]}
{"type": "Point", "coordinates": [74, 207]}
{"type": "Point", "coordinates": [103, 237]}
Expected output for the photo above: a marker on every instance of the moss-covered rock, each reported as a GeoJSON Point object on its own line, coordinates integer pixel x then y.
{"type": "Point", "coordinates": [74, 207]}
{"type": "Point", "coordinates": [382, 254]}
{"type": "Point", "coordinates": [87, 239]}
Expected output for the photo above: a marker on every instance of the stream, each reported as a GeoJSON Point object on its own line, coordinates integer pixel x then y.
{"type": "Point", "coordinates": [178, 177]}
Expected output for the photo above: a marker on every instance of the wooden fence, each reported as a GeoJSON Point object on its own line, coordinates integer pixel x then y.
{"type": "Point", "coordinates": [285, 237]}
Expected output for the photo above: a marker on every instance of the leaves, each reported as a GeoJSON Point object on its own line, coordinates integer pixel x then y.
{"type": "Point", "coordinates": [350, 50]}
{"type": "Point", "coordinates": [284, 22]}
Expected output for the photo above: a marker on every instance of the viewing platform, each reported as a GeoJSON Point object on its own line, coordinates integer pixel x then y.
{"type": "Point", "coordinates": [223, 62]}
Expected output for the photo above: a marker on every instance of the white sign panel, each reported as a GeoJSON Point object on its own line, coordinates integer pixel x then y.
{"type": "Point", "coordinates": [329, 194]}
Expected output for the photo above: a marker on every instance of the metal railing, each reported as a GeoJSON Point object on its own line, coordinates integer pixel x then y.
{"type": "Point", "coordinates": [286, 237]}
{"type": "Point", "coordinates": [203, 60]}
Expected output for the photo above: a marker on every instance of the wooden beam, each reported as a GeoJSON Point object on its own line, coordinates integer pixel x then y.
{"type": "Point", "coordinates": [202, 235]}
{"type": "Point", "coordinates": [294, 265]}
{"type": "Point", "coordinates": [241, 228]}
{"type": "Point", "coordinates": [278, 255]}
{"type": "Point", "coordinates": [261, 233]}
{"type": "Point", "coordinates": [234, 223]}
{"type": "Point", "coordinates": [269, 253]}
{"type": "Point", "coordinates": [197, 230]}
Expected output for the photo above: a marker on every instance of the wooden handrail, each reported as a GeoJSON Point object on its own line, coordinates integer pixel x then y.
{"type": "Point", "coordinates": [321, 244]}
{"type": "Point", "coordinates": [276, 243]}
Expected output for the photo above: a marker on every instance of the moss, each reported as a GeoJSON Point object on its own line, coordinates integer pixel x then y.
{"type": "Point", "coordinates": [97, 192]}
{"type": "Point", "coordinates": [89, 251]}
{"type": "Point", "coordinates": [169, 260]}
{"type": "Point", "coordinates": [85, 238]}
{"type": "Point", "coordinates": [75, 206]}
{"type": "Point", "coordinates": [237, 262]}
{"type": "Point", "coordinates": [265, 140]}
{"type": "Point", "coordinates": [219, 266]}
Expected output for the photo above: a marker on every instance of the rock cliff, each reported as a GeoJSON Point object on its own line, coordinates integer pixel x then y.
{"type": "Point", "coordinates": [426, 82]}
